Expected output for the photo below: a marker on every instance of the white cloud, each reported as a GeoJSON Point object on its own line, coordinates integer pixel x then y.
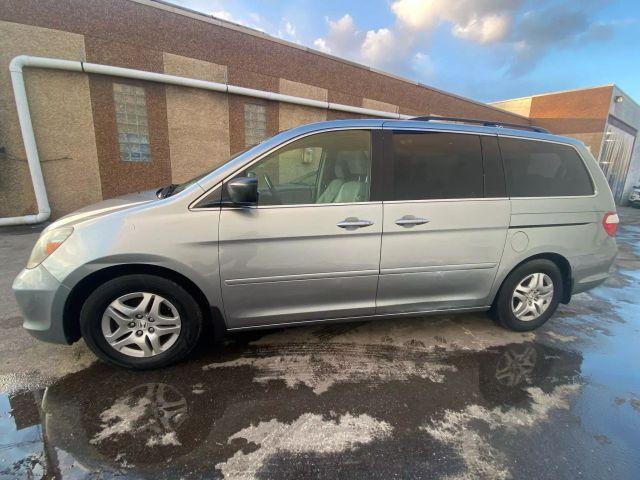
{"type": "Point", "coordinates": [422, 64]}
{"type": "Point", "coordinates": [378, 46]}
{"type": "Point", "coordinates": [343, 38]}
{"type": "Point", "coordinates": [487, 29]}
{"type": "Point", "coordinates": [482, 21]}
{"type": "Point", "coordinates": [417, 14]}
{"type": "Point", "coordinates": [223, 15]}
{"type": "Point", "coordinates": [290, 29]}
{"type": "Point", "coordinates": [403, 46]}
{"type": "Point", "coordinates": [321, 44]}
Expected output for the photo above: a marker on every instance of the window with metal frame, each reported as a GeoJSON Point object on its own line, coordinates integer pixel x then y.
{"type": "Point", "coordinates": [132, 123]}
{"type": "Point", "coordinates": [255, 124]}
{"type": "Point", "coordinates": [615, 156]}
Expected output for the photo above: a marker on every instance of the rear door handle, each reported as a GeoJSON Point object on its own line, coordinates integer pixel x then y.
{"type": "Point", "coordinates": [410, 221]}
{"type": "Point", "coordinates": [352, 223]}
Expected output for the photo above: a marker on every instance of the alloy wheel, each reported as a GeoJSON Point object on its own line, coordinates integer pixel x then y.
{"type": "Point", "coordinates": [141, 324]}
{"type": "Point", "coordinates": [532, 296]}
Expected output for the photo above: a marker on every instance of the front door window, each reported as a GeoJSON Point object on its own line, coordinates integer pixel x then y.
{"type": "Point", "coordinates": [329, 167]}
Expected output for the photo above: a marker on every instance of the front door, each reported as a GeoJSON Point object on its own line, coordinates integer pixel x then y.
{"type": "Point", "coordinates": [310, 249]}
{"type": "Point", "coordinates": [445, 223]}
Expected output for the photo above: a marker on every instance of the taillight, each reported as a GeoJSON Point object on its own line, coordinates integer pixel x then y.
{"type": "Point", "coordinates": [610, 223]}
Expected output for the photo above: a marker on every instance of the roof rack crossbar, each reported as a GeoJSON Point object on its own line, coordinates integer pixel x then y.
{"type": "Point", "coordinates": [485, 123]}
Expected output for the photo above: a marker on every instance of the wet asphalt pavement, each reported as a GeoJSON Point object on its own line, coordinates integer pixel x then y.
{"type": "Point", "coordinates": [450, 396]}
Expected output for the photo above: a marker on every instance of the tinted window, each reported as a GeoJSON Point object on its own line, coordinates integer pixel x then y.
{"type": "Point", "coordinates": [331, 167]}
{"type": "Point", "coordinates": [434, 165]}
{"type": "Point", "coordinates": [494, 184]}
{"type": "Point", "coordinates": [543, 169]}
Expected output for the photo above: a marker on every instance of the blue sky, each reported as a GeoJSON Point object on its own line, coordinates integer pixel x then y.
{"type": "Point", "coordinates": [483, 49]}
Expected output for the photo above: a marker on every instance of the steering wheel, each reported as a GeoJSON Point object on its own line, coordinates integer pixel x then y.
{"type": "Point", "coordinates": [272, 189]}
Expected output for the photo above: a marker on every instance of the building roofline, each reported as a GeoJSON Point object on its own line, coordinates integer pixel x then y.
{"type": "Point", "coordinates": [558, 92]}
{"type": "Point", "coordinates": [187, 12]}
{"type": "Point", "coordinates": [626, 95]}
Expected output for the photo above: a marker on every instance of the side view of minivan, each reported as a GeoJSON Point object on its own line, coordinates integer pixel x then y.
{"type": "Point", "coordinates": [334, 221]}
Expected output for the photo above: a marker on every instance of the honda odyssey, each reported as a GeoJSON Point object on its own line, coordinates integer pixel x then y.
{"type": "Point", "coordinates": [333, 221]}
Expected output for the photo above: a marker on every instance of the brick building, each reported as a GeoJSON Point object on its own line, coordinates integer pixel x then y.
{"type": "Point", "coordinates": [605, 118]}
{"type": "Point", "coordinates": [100, 136]}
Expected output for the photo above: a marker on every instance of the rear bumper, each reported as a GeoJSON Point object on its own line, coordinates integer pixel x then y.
{"type": "Point", "coordinates": [41, 299]}
{"type": "Point", "coordinates": [591, 270]}
{"type": "Point", "coordinates": [585, 285]}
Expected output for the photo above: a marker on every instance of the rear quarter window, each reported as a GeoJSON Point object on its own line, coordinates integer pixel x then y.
{"type": "Point", "coordinates": [543, 169]}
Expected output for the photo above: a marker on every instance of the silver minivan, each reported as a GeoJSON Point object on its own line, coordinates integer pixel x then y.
{"type": "Point", "coordinates": [333, 221]}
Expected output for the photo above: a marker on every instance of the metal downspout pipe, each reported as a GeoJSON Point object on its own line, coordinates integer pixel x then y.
{"type": "Point", "coordinates": [33, 160]}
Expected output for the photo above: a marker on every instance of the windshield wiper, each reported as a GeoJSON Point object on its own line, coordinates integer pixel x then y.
{"type": "Point", "coordinates": [165, 192]}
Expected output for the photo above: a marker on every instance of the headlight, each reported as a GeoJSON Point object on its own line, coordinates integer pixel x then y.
{"type": "Point", "coordinates": [47, 244]}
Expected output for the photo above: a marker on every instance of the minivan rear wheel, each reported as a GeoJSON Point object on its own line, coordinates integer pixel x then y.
{"type": "Point", "coordinates": [529, 296]}
{"type": "Point", "coordinates": [140, 321]}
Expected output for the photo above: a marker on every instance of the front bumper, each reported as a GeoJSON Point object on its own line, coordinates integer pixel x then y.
{"type": "Point", "coordinates": [41, 299]}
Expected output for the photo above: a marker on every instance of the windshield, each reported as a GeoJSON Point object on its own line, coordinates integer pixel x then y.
{"type": "Point", "coordinates": [179, 187]}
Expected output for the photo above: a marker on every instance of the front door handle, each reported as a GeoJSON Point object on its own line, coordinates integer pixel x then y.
{"type": "Point", "coordinates": [410, 221]}
{"type": "Point", "coordinates": [353, 223]}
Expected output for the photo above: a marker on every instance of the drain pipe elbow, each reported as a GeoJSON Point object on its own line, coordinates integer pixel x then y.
{"type": "Point", "coordinates": [17, 63]}
{"type": "Point", "coordinates": [31, 150]}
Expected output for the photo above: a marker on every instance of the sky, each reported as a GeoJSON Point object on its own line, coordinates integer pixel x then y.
{"type": "Point", "coordinates": [487, 50]}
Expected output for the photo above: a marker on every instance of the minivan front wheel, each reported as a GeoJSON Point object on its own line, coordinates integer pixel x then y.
{"type": "Point", "coordinates": [140, 321]}
{"type": "Point", "coordinates": [529, 295]}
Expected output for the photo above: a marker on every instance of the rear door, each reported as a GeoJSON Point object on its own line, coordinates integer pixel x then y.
{"type": "Point", "coordinates": [297, 257]}
{"type": "Point", "coordinates": [446, 217]}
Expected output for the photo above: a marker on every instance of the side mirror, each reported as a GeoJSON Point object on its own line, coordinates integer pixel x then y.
{"type": "Point", "coordinates": [243, 191]}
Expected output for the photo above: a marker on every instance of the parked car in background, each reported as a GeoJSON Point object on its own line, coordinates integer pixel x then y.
{"type": "Point", "coordinates": [634, 196]}
{"type": "Point", "coordinates": [334, 221]}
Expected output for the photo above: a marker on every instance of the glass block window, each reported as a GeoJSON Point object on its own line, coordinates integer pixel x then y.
{"type": "Point", "coordinates": [132, 123]}
{"type": "Point", "coordinates": [255, 124]}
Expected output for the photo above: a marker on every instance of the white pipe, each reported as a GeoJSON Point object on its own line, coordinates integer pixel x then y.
{"type": "Point", "coordinates": [26, 127]}
{"type": "Point", "coordinates": [233, 89]}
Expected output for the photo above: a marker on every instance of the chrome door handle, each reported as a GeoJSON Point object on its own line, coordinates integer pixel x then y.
{"type": "Point", "coordinates": [352, 223]}
{"type": "Point", "coordinates": [410, 221]}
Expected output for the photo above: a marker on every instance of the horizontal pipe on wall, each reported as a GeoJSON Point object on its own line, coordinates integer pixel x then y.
{"type": "Point", "coordinates": [26, 127]}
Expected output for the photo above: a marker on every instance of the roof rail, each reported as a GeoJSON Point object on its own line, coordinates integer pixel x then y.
{"type": "Point", "coordinates": [485, 123]}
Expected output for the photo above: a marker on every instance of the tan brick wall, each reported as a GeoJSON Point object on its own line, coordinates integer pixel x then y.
{"type": "Point", "coordinates": [520, 106]}
{"type": "Point", "coordinates": [378, 105]}
{"type": "Point", "coordinates": [62, 120]}
{"type": "Point", "coordinates": [294, 115]}
{"type": "Point", "coordinates": [198, 119]}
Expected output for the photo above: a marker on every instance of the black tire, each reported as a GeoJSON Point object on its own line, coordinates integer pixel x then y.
{"type": "Point", "coordinates": [503, 311]}
{"type": "Point", "coordinates": [99, 300]}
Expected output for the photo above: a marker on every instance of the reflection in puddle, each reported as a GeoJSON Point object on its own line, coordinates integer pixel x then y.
{"type": "Point", "coordinates": [153, 410]}
{"type": "Point", "coordinates": [196, 422]}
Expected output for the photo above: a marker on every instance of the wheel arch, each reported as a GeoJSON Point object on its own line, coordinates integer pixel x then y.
{"type": "Point", "coordinates": [561, 262]}
{"type": "Point", "coordinates": [81, 291]}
